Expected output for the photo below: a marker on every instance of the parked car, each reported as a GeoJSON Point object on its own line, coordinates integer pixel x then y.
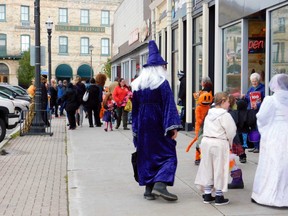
{"type": "Point", "coordinates": [10, 90]}
{"type": "Point", "coordinates": [8, 117]}
{"type": "Point", "coordinates": [20, 89]}
{"type": "Point", "coordinates": [20, 105]}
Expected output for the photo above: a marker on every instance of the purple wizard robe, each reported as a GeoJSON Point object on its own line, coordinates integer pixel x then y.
{"type": "Point", "coordinates": [154, 114]}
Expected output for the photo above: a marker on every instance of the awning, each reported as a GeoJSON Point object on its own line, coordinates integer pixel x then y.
{"type": "Point", "coordinates": [84, 71]}
{"type": "Point", "coordinates": [64, 70]}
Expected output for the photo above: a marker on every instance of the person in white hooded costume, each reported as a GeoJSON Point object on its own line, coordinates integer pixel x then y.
{"type": "Point", "coordinates": [218, 133]}
{"type": "Point", "coordinates": [271, 179]}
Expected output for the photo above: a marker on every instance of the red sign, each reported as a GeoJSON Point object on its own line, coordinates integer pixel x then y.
{"type": "Point", "coordinates": [256, 45]}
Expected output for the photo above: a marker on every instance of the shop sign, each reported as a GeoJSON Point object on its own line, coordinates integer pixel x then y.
{"type": "Point", "coordinates": [80, 28]}
{"type": "Point", "coordinates": [134, 36]}
{"type": "Point", "coordinates": [256, 45]}
{"type": "Point", "coordinates": [144, 30]}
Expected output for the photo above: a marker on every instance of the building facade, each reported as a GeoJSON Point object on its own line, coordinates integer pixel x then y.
{"type": "Point", "coordinates": [131, 33]}
{"type": "Point", "coordinates": [80, 42]}
{"type": "Point", "coordinates": [226, 40]}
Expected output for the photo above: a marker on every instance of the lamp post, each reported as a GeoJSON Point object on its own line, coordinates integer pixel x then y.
{"type": "Point", "coordinates": [91, 47]}
{"type": "Point", "coordinates": [49, 26]}
{"type": "Point", "coordinates": [37, 126]}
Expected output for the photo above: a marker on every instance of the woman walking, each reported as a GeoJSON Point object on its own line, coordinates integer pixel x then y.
{"type": "Point", "coordinates": [92, 104]}
{"type": "Point", "coordinates": [121, 96]}
{"type": "Point", "coordinates": [70, 98]}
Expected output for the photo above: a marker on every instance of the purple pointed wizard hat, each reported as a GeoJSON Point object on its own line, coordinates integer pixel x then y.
{"type": "Point", "coordinates": [154, 58]}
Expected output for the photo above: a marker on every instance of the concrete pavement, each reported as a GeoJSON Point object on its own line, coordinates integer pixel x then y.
{"type": "Point", "coordinates": [100, 178]}
{"type": "Point", "coordinates": [33, 174]}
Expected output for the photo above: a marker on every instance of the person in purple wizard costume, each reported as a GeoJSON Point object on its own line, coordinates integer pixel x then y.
{"type": "Point", "coordinates": [155, 125]}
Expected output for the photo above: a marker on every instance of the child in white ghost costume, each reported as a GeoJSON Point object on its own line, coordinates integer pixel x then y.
{"type": "Point", "coordinates": [218, 133]}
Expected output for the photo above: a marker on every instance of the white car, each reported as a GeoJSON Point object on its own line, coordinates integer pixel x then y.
{"type": "Point", "coordinates": [20, 105]}
{"type": "Point", "coordinates": [8, 117]}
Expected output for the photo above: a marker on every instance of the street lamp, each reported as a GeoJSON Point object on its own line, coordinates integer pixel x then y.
{"type": "Point", "coordinates": [37, 126]}
{"type": "Point", "coordinates": [91, 47]}
{"type": "Point", "coordinates": [49, 26]}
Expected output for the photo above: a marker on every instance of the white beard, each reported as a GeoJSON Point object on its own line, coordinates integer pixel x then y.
{"type": "Point", "coordinates": [150, 77]}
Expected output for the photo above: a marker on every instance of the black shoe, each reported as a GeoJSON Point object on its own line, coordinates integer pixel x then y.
{"type": "Point", "coordinates": [148, 193]}
{"type": "Point", "coordinates": [91, 126]}
{"type": "Point", "coordinates": [126, 128]}
{"type": "Point", "coordinates": [116, 127]}
{"type": "Point", "coordinates": [208, 198]}
{"type": "Point", "coordinates": [256, 150]}
{"type": "Point", "coordinates": [251, 150]}
{"type": "Point", "coordinates": [220, 200]}
{"type": "Point", "coordinates": [160, 189]}
{"type": "Point", "coordinates": [105, 129]}
{"type": "Point", "coordinates": [236, 186]}
{"type": "Point", "coordinates": [3, 152]}
{"type": "Point", "coordinates": [243, 160]}
{"type": "Point", "coordinates": [197, 162]}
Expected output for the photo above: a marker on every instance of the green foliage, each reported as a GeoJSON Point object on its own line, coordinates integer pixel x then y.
{"type": "Point", "coordinates": [25, 72]}
{"type": "Point", "coordinates": [107, 68]}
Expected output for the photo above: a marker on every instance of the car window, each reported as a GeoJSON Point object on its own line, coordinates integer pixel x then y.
{"type": "Point", "coordinates": [8, 91]}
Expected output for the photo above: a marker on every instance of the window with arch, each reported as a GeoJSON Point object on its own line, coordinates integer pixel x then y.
{"type": "Point", "coordinates": [84, 45]}
{"type": "Point", "coordinates": [25, 43]}
{"type": "Point", "coordinates": [105, 46]}
{"type": "Point", "coordinates": [63, 45]}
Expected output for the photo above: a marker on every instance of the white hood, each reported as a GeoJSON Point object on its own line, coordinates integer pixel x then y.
{"type": "Point", "coordinates": [215, 113]}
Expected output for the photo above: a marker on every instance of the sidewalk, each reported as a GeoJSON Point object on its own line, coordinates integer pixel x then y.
{"type": "Point", "coordinates": [33, 174]}
{"type": "Point", "coordinates": [101, 180]}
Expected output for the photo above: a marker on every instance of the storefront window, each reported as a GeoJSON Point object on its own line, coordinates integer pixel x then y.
{"type": "Point", "coordinates": [279, 41]}
{"type": "Point", "coordinates": [125, 71]}
{"type": "Point", "coordinates": [175, 59]}
{"type": "Point", "coordinates": [232, 59]}
{"type": "Point", "coordinates": [197, 52]}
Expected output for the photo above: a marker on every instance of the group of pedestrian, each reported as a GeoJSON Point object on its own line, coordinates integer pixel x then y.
{"type": "Point", "coordinates": [224, 133]}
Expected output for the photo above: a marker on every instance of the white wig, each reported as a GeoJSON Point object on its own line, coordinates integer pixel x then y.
{"type": "Point", "coordinates": [255, 76]}
{"type": "Point", "coordinates": [150, 77]}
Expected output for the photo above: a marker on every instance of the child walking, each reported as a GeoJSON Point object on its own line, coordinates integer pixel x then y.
{"type": "Point", "coordinates": [108, 105]}
{"type": "Point", "coordinates": [218, 133]}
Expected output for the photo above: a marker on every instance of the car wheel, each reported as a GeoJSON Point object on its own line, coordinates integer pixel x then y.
{"type": "Point", "coordinates": [2, 130]}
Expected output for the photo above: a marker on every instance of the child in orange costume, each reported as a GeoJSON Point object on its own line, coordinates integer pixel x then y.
{"type": "Point", "coordinates": [204, 101]}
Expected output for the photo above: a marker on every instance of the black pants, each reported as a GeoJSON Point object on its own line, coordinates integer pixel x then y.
{"type": "Point", "coordinates": [71, 118]}
{"type": "Point", "coordinates": [96, 111]}
{"type": "Point", "coordinates": [54, 107]}
{"type": "Point", "coordinates": [122, 115]}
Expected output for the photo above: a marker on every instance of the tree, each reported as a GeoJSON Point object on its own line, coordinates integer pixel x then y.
{"type": "Point", "coordinates": [107, 68]}
{"type": "Point", "coordinates": [25, 72]}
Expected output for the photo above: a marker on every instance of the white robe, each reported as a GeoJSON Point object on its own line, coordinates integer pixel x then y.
{"type": "Point", "coordinates": [218, 133]}
{"type": "Point", "coordinates": [271, 179]}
